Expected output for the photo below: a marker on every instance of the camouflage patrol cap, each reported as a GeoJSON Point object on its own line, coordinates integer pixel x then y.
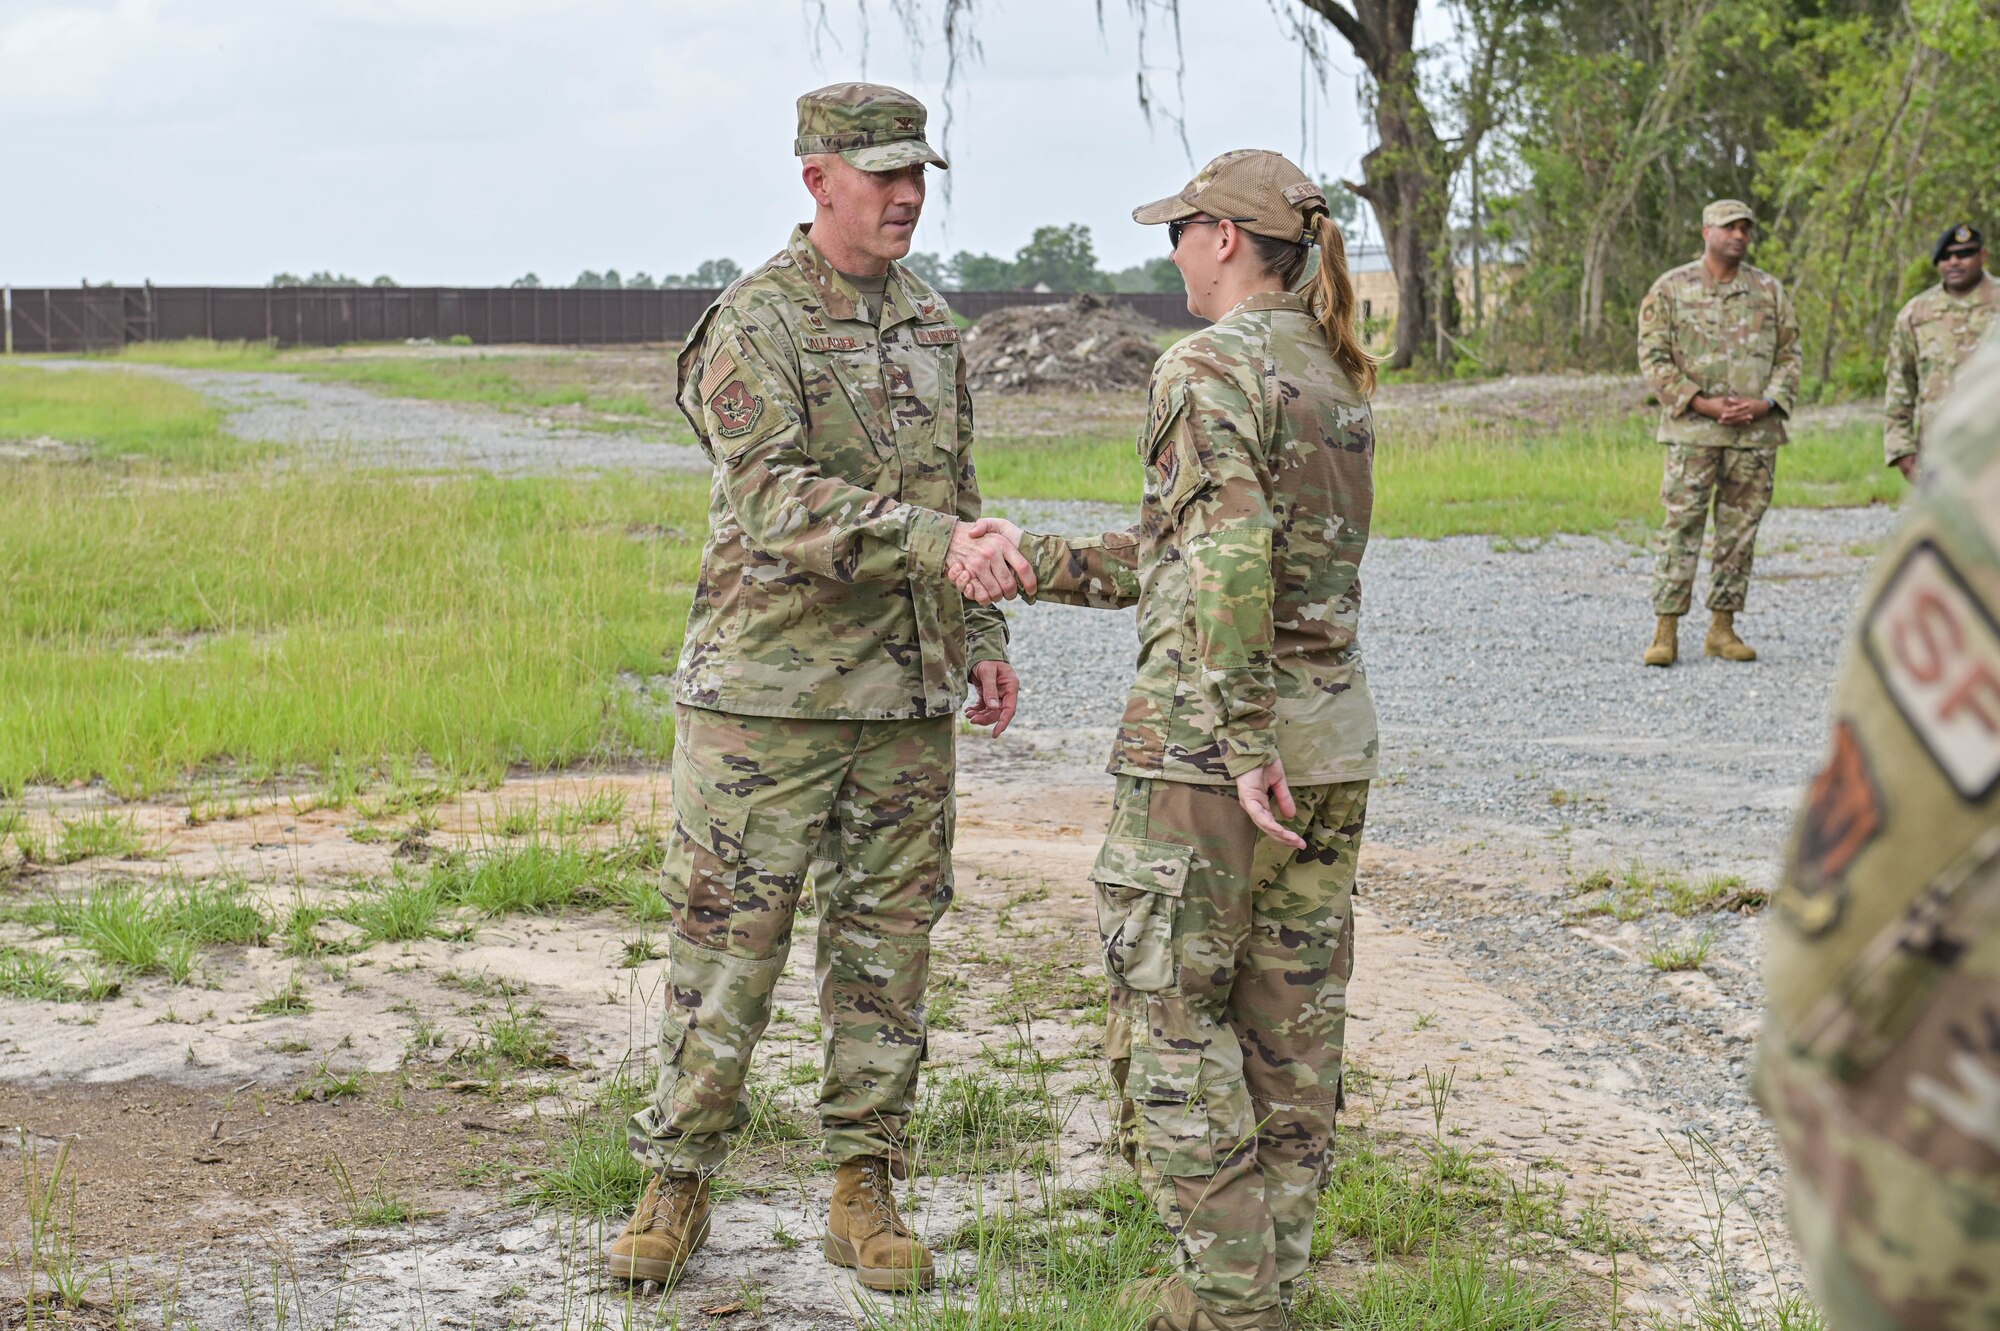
{"type": "Point", "coordinates": [1962, 234]}
{"type": "Point", "coordinates": [874, 126]}
{"type": "Point", "coordinates": [1260, 191]}
{"type": "Point", "coordinates": [1724, 211]}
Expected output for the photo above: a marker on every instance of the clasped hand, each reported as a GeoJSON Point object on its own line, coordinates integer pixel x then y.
{"type": "Point", "coordinates": [985, 562]}
{"type": "Point", "coordinates": [1733, 410]}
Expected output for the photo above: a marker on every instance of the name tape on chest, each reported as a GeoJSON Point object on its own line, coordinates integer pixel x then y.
{"type": "Point", "coordinates": [1938, 654]}
{"type": "Point", "coordinates": [937, 337]}
{"type": "Point", "coordinates": [832, 342]}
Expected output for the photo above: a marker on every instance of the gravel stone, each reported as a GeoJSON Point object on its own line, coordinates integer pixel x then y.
{"type": "Point", "coordinates": [344, 425]}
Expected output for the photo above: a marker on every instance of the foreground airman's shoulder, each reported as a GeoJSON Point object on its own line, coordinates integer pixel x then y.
{"type": "Point", "coordinates": [766, 287]}
{"type": "Point", "coordinates": [921, 293]}
{"type": "Point", "coordinates": [1218, 352]}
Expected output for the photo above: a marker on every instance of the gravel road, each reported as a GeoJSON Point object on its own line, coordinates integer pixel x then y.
{"type": "Point", "coordinates": [339, 424]}
{"type": "Point", "coordinates": [1512, 699]}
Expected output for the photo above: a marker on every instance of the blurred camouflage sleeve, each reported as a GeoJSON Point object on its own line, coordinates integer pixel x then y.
{"type": "Point", "coordinates": [1101, 572]}
{"type": "Point", "coordinates": [1222, 514]}
{"type": "Point", "coordinates": [1663, 373]}
{"type": "Point", "coordinates": [1899, 398]}
{"type": "Point", "coordinates": [1789, 360]}
{"type": "Point", "coordinates": [985, 625]}
{"type": "Point", "coordinates": [752, 420]}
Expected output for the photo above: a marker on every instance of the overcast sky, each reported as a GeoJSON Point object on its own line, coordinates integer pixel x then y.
{"type": "Point", "coordinates": [465, 142]}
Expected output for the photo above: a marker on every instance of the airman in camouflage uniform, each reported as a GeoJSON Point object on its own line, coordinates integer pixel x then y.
{"type": "Point", "coordinates": [827, 652]}
{"type": "Point", "coordinates": [1880, 1059]}
{"type": "Point", "coordinates": [1934, 334]}
{"type": "Point", "coordinates": [1229, 952]}
{"type": "Point", "coordinates": [1719, 344]}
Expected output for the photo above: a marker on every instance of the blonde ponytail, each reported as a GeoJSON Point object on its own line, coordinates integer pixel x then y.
{"type": "Point", "coordinates": [1335, 308]}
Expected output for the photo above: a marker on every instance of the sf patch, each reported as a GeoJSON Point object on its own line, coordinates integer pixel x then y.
{"type": "Point", "coordinates": [1843, 814]}
{"type": "Point", "coordinates": [1937, 651]}
{"type": "Point", "coordinates": [735, 409]}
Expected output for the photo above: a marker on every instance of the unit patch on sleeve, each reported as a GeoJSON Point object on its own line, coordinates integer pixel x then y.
{"type": "Point", "coordinates": [1843, 814]}
{"type": "Point", "coordinates": [1938, 653]}
{"type": "Point", "coordinates": [735, 409]}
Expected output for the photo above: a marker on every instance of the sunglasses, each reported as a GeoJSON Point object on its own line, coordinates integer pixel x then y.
{"type": "Point", "coordinates": [1959, 254]}
{"type": "Point", "coordinates": [1175, 230]}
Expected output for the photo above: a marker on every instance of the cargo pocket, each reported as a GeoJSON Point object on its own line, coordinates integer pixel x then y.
{"type": "Point", "coordinates": [1870, 1008]}
{"type": "Point", "coordinates": [705, 860]}
{"type": "Point", "coordinates": [1139, 886]}
{"type": "Point", "coordinates": [1193, 1137]}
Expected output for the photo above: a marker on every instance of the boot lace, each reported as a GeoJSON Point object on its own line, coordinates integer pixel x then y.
{"type": "Point", "coordinates": [672, 1203]}
{"type": "Point", "coordinates": [879, 1201]}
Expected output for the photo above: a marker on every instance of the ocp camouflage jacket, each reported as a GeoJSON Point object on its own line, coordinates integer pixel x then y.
{"type": "Point", "coordinates": [1245, 564]}
{"type": "Point", "coordinates": [1703, 338]}
{"type": "Point", "coordinates": [843, 457]}
{"type": "Point", "coordinates": [1934, 334]}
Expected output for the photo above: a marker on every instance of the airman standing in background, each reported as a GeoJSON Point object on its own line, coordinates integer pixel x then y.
{"type": "Point", "coordinates": [1719, 343]}
{"type": "Point", "coordinates": [1934, 334]}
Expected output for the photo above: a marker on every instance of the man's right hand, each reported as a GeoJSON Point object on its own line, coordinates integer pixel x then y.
{"type": "Point", "coordinates": [985, 561]}
{"type": "Point", "coordinates": [1907, 464]}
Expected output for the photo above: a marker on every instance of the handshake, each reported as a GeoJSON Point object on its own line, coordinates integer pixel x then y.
{"type": "Point", "coordinates": [985, 561]}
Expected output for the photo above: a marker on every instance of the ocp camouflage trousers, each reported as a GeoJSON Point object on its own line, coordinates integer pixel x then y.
{"type": "Point", "coordinates": [1228, 956]}
{"type": "Point", "coordinates": [1740, 481]}
{"type": "Point", "coordinates": [866, 808]}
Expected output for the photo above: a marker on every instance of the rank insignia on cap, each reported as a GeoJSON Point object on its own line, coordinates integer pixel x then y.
{"type": "Point", "coordinates": [735, 409]}
{"type": "Point", "coordinates": [1963, 234]}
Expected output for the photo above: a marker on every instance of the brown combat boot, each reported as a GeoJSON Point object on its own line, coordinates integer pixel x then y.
{"type": "Point", "coordinates": [865, 1232]}
{"type": "Point", "coordinates": [670, 1224]}
{"type": "Point", "coordinates": [1666, 648]}
{"type": "Point", "coordinates": [1722, 640]}
{"type": "Point", "coordinates": [1172, 1305]}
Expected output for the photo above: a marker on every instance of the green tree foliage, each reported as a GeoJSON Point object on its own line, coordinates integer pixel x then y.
{"type": "Point", "coordinates": [1857, 129]}
{"type": "Point", "coordinates": [1152, 275]}
{"type": "Point", "coordinates": [526, 282]}
{"type": "Point", "coordinates": [1060, 258]}
{"type": "Point", "coordinates": [323, 278]}
{"type": "Point", "coordinates": [1899, 144]}
{"type": "Point", "coordinates": [979, 272]}
{"type": "Point", "coordinates": [713, 273]}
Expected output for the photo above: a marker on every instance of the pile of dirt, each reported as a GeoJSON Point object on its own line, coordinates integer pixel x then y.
{"type": "Point", "coordinates": [1091, 343]}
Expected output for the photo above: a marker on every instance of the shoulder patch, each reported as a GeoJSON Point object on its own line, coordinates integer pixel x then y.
{"type": "Point", "coordinates": [1937, 651]}
{"type": "Point", "coordinates": [1843, 814]}
{"type": "Point", "coordinates": [735, 409]}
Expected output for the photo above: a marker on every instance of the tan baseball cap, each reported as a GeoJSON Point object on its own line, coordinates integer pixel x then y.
{"type": "Point", "coordinates": [1260, 191]}
{"type": "Point", "coordinates": [874, 126]}
{"type": "Point", "coordinates": [1724, 211]}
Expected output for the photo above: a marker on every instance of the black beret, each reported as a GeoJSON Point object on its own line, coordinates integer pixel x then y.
{"type": "Point", "coordinates": [1962, 234]}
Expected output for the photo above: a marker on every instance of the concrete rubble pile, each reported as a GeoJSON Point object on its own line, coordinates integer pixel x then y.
{"type": "Point", "coordinates": [1091, 343]}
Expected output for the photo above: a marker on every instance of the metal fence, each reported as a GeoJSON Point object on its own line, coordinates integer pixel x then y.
{"type": "Point", "coordinates": [64, 319]}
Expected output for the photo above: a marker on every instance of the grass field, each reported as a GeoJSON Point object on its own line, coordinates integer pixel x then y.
{"type": "Point", "coordinates": [168, 617]}
{"type": "Point", "coordinates": [1465, 484]}
{"type": "Point", "coordinates": [118, 416]}
{"type": "Point", "coordinates": [172, 607]}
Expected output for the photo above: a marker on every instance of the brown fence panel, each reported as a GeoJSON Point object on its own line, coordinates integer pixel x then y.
{"type": "Point", "coordinates": [69, 319]}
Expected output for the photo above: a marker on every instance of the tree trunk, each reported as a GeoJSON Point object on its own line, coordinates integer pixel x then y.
{"type": "Point", "coordinates": [1406, 175]}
